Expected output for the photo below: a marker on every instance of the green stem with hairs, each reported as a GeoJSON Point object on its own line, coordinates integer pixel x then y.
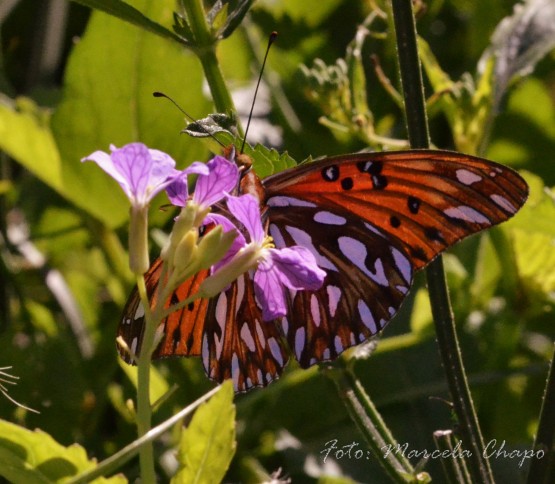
{"type": "Point", "coordinates": [417, 125]}
{"type": "Point", "coordinates": [205, 49]}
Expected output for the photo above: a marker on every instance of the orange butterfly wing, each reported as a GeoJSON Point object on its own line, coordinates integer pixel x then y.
{"type": "Point", "coordinates": [371, 220]}
{"type": "Point", "coordinates": [428, 200]}
{"type": "Point", "coordinates": [182, 329]}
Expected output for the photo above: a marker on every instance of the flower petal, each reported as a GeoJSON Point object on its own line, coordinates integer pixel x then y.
{"type": "Point", "coordinates": [222, 179]}
{"type": "Point", "coordinates": [104, 161]}
{"type": "Point", "coordinates": [177, 190]}
{"type": "Point", "coordinates": [269, 292]}
{"type": "Point", "coordinates": [297, 268]}
{"type": "Point", "coordinates": [141, 172]}
{"type": "Point", "coordinates": [246, 209]}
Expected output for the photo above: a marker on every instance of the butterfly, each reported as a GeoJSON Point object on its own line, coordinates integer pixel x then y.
{"type": "Point", "coordinates": [371, 220]}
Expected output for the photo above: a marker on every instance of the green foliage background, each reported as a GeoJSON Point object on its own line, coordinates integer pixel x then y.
{"type": "Point", "coordinates": [59, 311]}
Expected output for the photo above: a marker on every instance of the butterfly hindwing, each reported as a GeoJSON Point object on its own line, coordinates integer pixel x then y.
{"type": "Point", "coordinates": [367, 278]}
{"type": "Point", "coordinates": [181, 331]}
{"type": "Point", "coordinates": [238, 344]}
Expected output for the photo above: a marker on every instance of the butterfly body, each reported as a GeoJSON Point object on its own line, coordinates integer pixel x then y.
{"type": "Point", "coordinates": [371, 220]}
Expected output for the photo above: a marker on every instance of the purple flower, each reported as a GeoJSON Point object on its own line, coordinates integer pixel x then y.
{"type": "Point", "coordinates": [219, 177]}
{"type": "Point", "coordinates": [141, 172]}
{"type": "Point", "coordinates": [277, 269]}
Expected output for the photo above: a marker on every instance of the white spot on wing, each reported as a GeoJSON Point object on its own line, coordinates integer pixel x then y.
{"type": "Point", "coordinates": [374, 229]}
{"type": "Point", "coordinates": [357, 253]}
{"type": "Point", "coordinates": [503, 203]}
{"type": "Point", "coordinates": [403, 264]}
{"type": "Point", "coordinates": [334, 295]}
{"type": "Point", "coordinates": [240, 293]}
{"type": "Point", "coordinates": [302, 238]}
{"type": "Point", "coordinates": [299, 342]}
{"type": "Point", "coordinates": [366, 316]}
{"type": "Point", "coordinates": [283, 201]}
{"type": "Point", "coordinates": [338, 345]}
{"type": "Point", "coordinates": [235, 371]}
{"type": "Point", "coordinates": [329, 218]}
{"type": "Point", "coordinates": [221, 310]}
{"type": "Point", "coordinates": [285, 325]}
{"type": "Point", "coordinates": [246, 336]}
{"type": "Point", "coordinates": [277, 236]}
{"type": "Point", "coordinates": [134, 344]}
{"type": "Point", "coordinates": [466, 177]}
{"type": "Point", "coordinates": [315, 310]}
{"type": "Point", "coordinates": [140, 312]}
{"type": "Point", "coordinates": [260, 334]}
{"type": "Point", "coordinates": [466, 213]}
{"type": "Point", "coordinates": [275, 349]}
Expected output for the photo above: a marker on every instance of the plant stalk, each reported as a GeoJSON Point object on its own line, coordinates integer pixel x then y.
{"type": "Point", "coordinates": [205, 49]}
{"type": "Point", "coordinates": [144, 410]}
{"type": "Point", "coordinates": [417, 126]}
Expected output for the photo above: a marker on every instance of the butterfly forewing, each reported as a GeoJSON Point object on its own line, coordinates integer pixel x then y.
{"type": "Point", "coordinates": [370, 220]}
{"type": "Point", "coordinates": [426, 200]}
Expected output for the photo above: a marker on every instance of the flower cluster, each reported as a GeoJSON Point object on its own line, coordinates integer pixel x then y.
{"type": "Point", "coordinates": [228, 247]}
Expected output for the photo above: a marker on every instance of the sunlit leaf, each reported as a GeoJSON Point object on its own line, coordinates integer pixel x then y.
{"type": "Point", "coordinates": [33, 456]}
{"type": "Point", "coordinates": [107, 98]}
{"type": "Point", "coordinates": [208, 444]}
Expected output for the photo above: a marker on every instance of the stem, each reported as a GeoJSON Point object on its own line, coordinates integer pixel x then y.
{"type": "Point", "coordinates": [542, 470]}
{"type": "Point", "coordinates": [370, 423]}
{"type": "Point", "coordinates": [144, 411]}
{"type": "Point", "coordinates": [411, 79]}
{"type": "Point", "coordinates": [205, 49]}
{"type": "Point", "coordinates": [121, 457]}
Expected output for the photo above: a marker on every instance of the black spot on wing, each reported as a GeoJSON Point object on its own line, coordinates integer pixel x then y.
{"type": "Point", "coordinates": [434, 234]}
{"type": "Point", "coordinates": [418, 253]}
{"type": "Point", "coordinates": [394, 221]}
{"type": "Point", "coordinates": [347, 183]}
{"type": "Point", "coordinates": [330, 173]}
{"type": "Point", "coordinates": [413, 204]}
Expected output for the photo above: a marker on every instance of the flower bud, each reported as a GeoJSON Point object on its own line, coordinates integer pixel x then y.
{"type": "Point", "coordinates": [214, 246]}
{"type": "Point", "coordinates": [185, 251]}
{"type": "Point", "coordinates": [243, 261]}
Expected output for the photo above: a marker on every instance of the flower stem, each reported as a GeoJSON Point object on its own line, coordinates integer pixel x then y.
{"type": "Point", "coordinates": [542, 470]}
{"type": "Point", "coordinates": [144, 411]}
{"type": "Point", "coordinates": [411, 80]}
{"type": "Point", "coordinates": [371, 425]}
{"type": "Point", "coordinates": [205, 49]}
{"type": "Point", "coordinates": [115, 461]}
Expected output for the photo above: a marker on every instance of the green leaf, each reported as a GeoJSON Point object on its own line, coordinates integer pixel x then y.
{"type": "Point", "coordinates": [33, 456]}
{"type": "Point", "coordinates": [107, 98]}
{"type": "Point", "coordinates": [25, 135]}
{"type": "Point", "coordinates": [208, 444]}
{"type": "Point", "coordinates": [126, 12]}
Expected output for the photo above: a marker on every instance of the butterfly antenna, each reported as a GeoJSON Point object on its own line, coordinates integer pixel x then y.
{"type": "Point", "coordinates": [187, 115]}
{"type": "Point", "coordinates": [271, 40]}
